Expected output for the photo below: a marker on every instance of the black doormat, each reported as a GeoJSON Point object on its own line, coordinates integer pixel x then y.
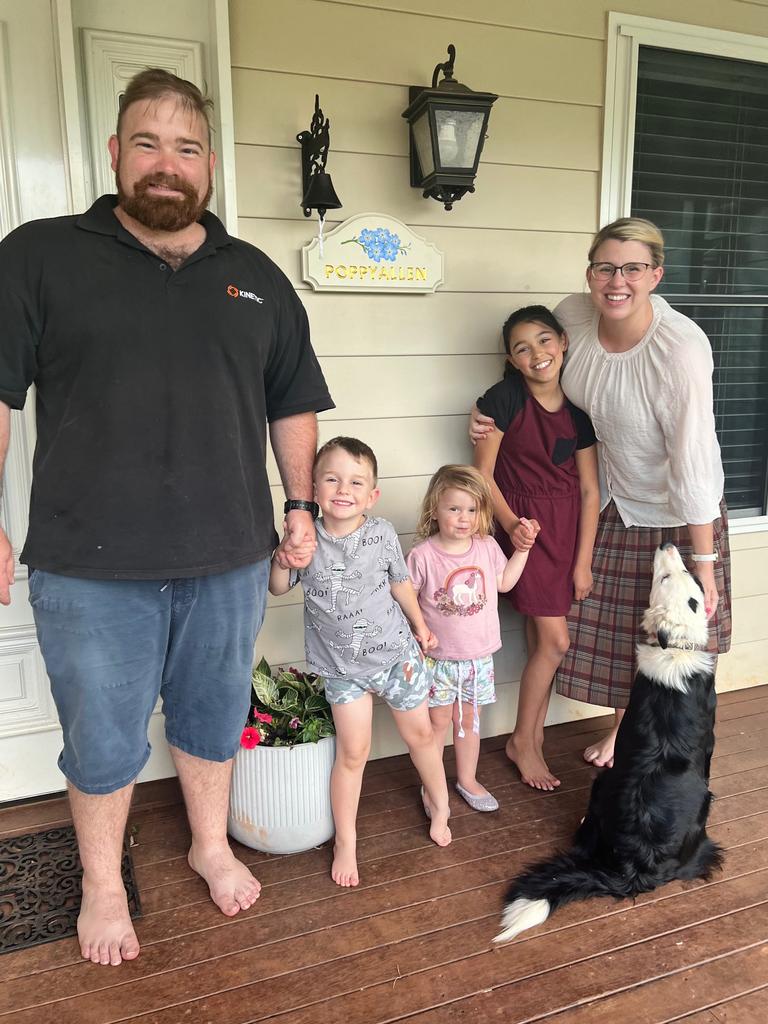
{"type": "Point", "coordinates": [40, 887]}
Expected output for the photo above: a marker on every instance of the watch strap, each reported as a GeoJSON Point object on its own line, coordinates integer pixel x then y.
{"type": "Point", "coordinates": [704, 558]}
{"type": "Point", "coordinates": [300, 505]}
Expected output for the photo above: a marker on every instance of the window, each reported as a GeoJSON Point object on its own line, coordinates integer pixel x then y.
{"type": "Point", "coordinates": [687, 147]}
{"type": "Point", "coordinates": [699, 172]}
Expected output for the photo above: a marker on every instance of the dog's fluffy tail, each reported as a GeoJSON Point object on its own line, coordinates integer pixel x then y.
{"type": "Point", "coordinates": [548, 885]}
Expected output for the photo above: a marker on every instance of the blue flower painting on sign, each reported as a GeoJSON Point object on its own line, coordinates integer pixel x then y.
{"type": "Point", "coordinates": [379, 244]}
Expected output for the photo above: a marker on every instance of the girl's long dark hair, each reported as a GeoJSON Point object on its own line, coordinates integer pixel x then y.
{"type": "Point", "coordinates": [528, 315]}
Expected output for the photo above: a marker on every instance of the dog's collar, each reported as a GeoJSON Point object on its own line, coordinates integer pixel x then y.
{"type": "Point", "coordinates": [689, 646]}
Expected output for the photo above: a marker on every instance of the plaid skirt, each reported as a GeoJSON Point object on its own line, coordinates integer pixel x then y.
{"type": "Point", "coordinates": [605, 627]}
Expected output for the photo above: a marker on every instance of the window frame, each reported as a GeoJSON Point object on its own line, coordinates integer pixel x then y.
{"type": "Point", "coordinates": [626, 34]}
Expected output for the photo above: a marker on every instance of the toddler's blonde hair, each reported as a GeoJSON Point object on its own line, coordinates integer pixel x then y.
{"type": "Point", "coordinates": [461, 478]}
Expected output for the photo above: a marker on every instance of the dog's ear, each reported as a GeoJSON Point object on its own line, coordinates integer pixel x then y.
{"type": "Point", "coordinates": [663, 637]}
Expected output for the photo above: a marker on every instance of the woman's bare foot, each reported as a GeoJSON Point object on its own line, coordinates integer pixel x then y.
{"type": "Point", "coordinates": [344, 867]}
{"type": "Point", "coordinates": [531, 765]}
{"type": "Point", "coordinates": [104, 926]}
{"type": "Point", "coordinates": [232, 886]}
{"type": "Point", "coordinates": [601, 754]}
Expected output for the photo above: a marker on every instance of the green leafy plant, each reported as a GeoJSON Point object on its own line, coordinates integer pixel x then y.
{"type": "Point", "coordinates": [287, 707]}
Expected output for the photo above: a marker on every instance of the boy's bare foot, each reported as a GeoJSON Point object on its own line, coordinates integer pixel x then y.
{"type": "Point", "coordinates": [439, 832]}
{"type": "Point", "coordinates": [438, 821]}
{"type": "Point", "coordinates": [344, 867]}
{"type": "Point", "coordinates": [601, 754]}
{"type": "Point", "coordinates": [232, 886]}
{"type": "Point", "coordinates": [104, 926]}
{"type": "Point", "coordinates": [531, 765]}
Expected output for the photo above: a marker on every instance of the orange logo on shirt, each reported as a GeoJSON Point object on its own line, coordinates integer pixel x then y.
{"type": "Point", "coordinates": [240, 293]}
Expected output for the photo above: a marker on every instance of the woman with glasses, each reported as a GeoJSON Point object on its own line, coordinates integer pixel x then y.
{"type": "Point", "coordinates": [643, 373]}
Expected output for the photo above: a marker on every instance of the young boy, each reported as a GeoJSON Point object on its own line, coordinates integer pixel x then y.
{"type": "Point", "coordinates": [358, 603]}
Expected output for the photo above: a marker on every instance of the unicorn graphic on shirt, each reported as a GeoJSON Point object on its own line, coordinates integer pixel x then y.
{"type": "Point", "coordinates": [466, 593]}
{"type": "Point", "coordinates": [463, 592]}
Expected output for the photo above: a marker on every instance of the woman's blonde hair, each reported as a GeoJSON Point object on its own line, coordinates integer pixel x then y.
{"type": "Point", "coordinates": [631, 229]}
{"type": "Point", "coordinates": [461, 478]}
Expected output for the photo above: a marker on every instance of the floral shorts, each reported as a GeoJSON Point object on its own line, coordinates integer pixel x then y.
{"type": "Point", "coordinates": [403, 686]}
{"type": "Point", "coordinates": [470, 681]}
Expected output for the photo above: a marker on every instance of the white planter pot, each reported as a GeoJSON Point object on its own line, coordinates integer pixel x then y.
{"type": "Point", "coordinates": [280, 800]}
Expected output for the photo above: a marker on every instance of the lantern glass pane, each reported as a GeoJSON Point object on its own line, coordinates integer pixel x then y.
{"type": "Point", "coordinates": [458, 136]}
{"type": "Point", "coordinates": [423, 141]}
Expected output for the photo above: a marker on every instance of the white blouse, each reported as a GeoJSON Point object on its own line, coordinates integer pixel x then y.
{"type": "Point", "coordinates": [652, 410]}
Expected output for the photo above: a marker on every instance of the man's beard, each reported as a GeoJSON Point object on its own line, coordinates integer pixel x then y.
{"type": "Point", "coordinates": [157, 212]}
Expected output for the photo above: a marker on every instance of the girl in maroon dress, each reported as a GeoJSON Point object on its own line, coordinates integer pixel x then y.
{"type": "Point", "coordinates": [540, 462]}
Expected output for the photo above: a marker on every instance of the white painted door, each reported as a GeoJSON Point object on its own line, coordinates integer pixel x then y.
{"type": "Point", "coordinates": [63, 63]}
{"type": "Point", "coordinates": [33, 183]}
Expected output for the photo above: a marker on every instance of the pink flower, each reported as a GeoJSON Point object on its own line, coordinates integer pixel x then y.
{"type": "Point", "coordinates": [262, 716]}
{"type": "Point", "coordinates": [250, 738]}
{"type": "Point", "coordinates": [294, 723]}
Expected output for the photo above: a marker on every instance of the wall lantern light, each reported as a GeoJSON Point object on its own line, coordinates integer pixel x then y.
{"type": "Point", "coordinates": [447, 130]}
{"type": "Point", "coordinates": [317, 191]}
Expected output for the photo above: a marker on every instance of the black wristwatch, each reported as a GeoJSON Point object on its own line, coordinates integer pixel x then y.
{"type": "Point", "coordinates": [299, 505]}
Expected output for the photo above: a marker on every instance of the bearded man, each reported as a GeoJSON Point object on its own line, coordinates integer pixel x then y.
{"type": "Point", "coordinates": [160, 347]}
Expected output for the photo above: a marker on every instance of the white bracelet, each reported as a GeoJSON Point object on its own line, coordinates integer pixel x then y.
{"type": "Point", "coordinates": [704, 558]}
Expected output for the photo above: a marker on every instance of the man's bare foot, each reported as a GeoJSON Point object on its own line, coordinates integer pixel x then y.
{"type": "Point", "coordinates": [531, 765]}
{"type": "Point", "coordinates": [344, 867]}
{"type": "Point", "coordinates": [232, 886]}
{"type": "Point", "coordinates": [601, 754]}
{"type": "Point", "coordinates": [104, 926]}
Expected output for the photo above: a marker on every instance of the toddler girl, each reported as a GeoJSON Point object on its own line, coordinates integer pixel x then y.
{"type": "Point", "coordinates": [458, 570]}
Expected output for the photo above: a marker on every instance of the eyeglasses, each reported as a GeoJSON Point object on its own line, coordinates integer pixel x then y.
{"type": "Point", "coordinates": [629, 271]}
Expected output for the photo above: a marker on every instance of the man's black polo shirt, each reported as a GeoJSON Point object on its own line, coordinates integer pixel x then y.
{"type": "Point", "coordinates": [153, 392]}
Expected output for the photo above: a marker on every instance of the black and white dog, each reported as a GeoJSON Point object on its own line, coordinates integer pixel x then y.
{"type": "Point", "coordinates": [647, 815]}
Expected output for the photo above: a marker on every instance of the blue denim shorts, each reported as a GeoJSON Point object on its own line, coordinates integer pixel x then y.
{"type": "Point", "coordinates": [111, 647]}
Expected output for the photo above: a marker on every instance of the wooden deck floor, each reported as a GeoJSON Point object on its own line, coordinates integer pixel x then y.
{"type": "Point", "coordinates": [413, 941]}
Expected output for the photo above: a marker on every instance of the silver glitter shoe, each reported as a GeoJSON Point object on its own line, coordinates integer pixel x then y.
{"type": "Point", "coordinates": [478, 803]}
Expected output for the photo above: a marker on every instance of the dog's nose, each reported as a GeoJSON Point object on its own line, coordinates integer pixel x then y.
{"type": "Point", "coordinates": [666, 545]}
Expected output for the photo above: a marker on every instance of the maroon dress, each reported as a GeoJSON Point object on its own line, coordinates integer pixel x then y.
{"type": "Point", "coordinates": [536, 472]}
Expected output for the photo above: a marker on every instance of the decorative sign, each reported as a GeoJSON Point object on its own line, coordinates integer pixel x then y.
{"type": "Point", "coordinates": [372, 253]}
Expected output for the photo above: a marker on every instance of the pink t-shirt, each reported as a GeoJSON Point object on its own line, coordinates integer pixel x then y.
{"type": "Point", "coordinates": [458, 596]}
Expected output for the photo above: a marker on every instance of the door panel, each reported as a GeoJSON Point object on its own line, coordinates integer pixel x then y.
{"type": "Point", "coordinates": [34, 184]}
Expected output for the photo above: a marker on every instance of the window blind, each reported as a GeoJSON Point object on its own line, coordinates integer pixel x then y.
{"type": "Point", "coordinates": [700, 172]}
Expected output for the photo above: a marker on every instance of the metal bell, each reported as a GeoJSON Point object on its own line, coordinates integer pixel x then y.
{"type": "Point", "coordinates": [320, 195]}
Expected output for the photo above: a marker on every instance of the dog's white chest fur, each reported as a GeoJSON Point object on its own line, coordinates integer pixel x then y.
{"type": "Point", "coordinates": [671, 666]}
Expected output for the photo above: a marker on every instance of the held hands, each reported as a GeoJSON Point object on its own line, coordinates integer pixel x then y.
{"type": "Point", "coordinates": [7, 568]}
{"type": "Point", "coordinates": [479, 426]}
{"type": "Point", "coordinates": [425, 638]}
{"type": "Point", "coordinates": [523, 534]}
{"type": "Point", "coordinates": [299, 541]}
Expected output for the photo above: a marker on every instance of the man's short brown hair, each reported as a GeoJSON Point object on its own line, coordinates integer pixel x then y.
{"type": "Point", "coordinates": [357, 449]}
{"type": "Point", "coordinates": [156, 84]}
